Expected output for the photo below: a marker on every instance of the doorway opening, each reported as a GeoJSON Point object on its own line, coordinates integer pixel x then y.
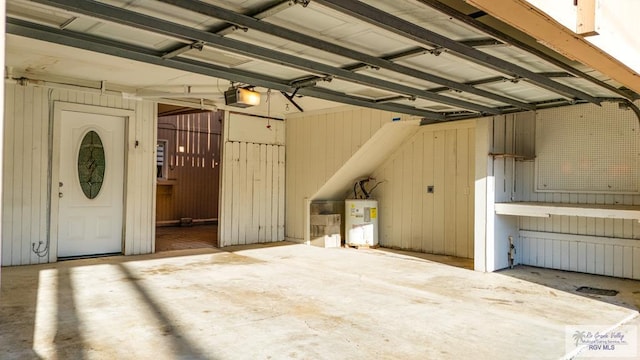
{"type": "Point", "coordinates": [187, 177]}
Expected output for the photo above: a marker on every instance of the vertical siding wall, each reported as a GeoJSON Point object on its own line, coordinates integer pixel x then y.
{"type": "Point", "coordinates": [317, 146]}
{"type": "Point", "coordinates": [253, 182]}
{"type": "Point", "coordinates": [592, 245]}
{"type": "Point", "coordinates": [193, 176]}
{"type": "Point", "coordinates": [26, 171]}
{"type": "Point", "coordinates": [442, 156]}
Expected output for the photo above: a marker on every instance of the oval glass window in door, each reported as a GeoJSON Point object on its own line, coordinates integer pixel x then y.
{"type": "Point", "coordinates": [91, 164]}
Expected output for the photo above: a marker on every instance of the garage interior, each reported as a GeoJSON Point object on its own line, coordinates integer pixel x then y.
{"type": "Point", "coordinates": [188, 178]}
{"type": "Point", "coordinates": [496, 137]}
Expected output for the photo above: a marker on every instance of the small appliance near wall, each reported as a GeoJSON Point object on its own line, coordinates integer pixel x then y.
{"type": "Point", "coordinates": [361, 222]}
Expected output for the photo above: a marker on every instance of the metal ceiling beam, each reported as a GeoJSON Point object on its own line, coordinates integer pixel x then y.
{"type": "Point", "coordinates": [300, 38]}
{"type": "Point", "coordinates": [497, 79]}
{"type": "Point", "coordinates": [473, 22]}
{"type": "Point", "coordinates": [411, 53]}
{"type": "Point", "coordinates": [119, 49]}
{"type": "Point", "coordinates": [261, 13]}
{"type": "Point", "coordinates": [136, 20]}
{"type": "Point", "coordinates": [421, 35]}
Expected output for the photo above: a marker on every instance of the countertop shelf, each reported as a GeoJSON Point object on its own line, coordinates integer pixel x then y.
{"type": "Point", "coordinates": [540, 209]}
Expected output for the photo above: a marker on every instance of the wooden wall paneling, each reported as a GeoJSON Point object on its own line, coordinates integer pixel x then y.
{"type": "Point", "coordinates": [461, 193]}
{"type": "Point", "coordinates": [609, 251]}
{"type": "Point", "coordinates": [262, 232]}
{"type": "Point", "coordinates": [636, 263]}
{"type": "Point", "coordinates": [556, 254]}
{"type": "Point", "coordinates": [471, 150]}
{"type": "Point", "coordinates": [540, 252]}
{"type": "Point", "coordinates": [397, 210]}
{"type": "Point", "coordinates": [234, 192]}
{"type": "Point", "coordinates": [418, 191]}
{"type": "Point", "coordinates": [599, 258]}
{"type": "Point", "coordinates": [591, 258]}
{"type": "Point", "coordinates": [356, 130]}
{"type": "Point", "coordinates": [428, 170]}
{"type": "Point", "coordinates": [330, 155]}
{"type": "Point", "coordinates": [18, 178]}
{"type": "Point", "coordinates": [440, 189]}
{"type": "Point", "coordinates": [281, 193]}
{"type": "Point", "coordinates": [407, 196]}
{"type": "Point", "coordinates": [318, 144]}
{"type": "Point", "coordinates": [42, 103]}
{"type": "Point", "coordinates": [566, 255]}
{"type": "Point", "coordinates": [627, 262]}
{"type": "Point", "coordinates": [365, 126]}
{"type": "Point", "coordinates": [347, 121]}
{"type": "Point", "coordinates": [582, 257]}
{"type": "Point", "coordinates": [137, 156]}
{"type": "Point", "coordinates": [548, 253]}
{"type": "Point", "coordinates": [27, 164]}
{"type": "Point", "coordinates": [268, 180]}
{"type": "Point", "coordinates": [253, 187]}
{"type": "Point", "coordinates": [573, 256]}
{"type": "Point", "coordinates": [29, 195]}
{"type": "Point", "coordinates": [243, 204]}
{"type": "Point", "coordinates": [7, 173]}
{"type": "Point", "coordinates": [450, 192]}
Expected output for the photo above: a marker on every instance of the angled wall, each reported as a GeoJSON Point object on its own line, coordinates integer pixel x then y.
{"type": "Point", "coordinates": [426, 197]}
{"type": "Point", "coordinates": [318, 145]}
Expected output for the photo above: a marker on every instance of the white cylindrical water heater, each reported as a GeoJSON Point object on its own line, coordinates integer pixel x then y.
{"type": "Point", "coordinates": [361, 222]}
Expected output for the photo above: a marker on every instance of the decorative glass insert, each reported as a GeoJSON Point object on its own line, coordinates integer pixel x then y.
{"type": "Point", "coordinates": [91, 164]}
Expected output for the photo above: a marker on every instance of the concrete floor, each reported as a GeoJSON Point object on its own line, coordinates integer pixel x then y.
{"type": "Point", "coordinates": [297, 302]}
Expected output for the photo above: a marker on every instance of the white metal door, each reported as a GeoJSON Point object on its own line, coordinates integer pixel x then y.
{"type": "Point", "coordinates": [90, 220]}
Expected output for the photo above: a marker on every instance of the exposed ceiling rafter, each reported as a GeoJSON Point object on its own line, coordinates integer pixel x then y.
{"type": "Point", "coordinates": [304, 39]}
{"type": "Point", "coordinates": [127, 51]}
{"type": "Point", "coordinates": [540, 25]}
{"type": "Point", "coordinates": [156, 25]}
{"type": "Point", "coordinates": [261, 13]}
{"type": "Point", "coordinates": [476, 24]}
{"type": "Point", "coordinates": [429, 38]}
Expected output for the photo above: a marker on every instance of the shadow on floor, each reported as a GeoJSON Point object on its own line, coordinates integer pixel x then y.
{"type": "Point", "coordinates": [628, 290]}
{"type": "Point", "coordinates": [459, 262]}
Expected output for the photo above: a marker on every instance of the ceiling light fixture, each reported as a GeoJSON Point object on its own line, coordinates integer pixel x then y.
{"type": "Point", "coordinates": [241, 97]}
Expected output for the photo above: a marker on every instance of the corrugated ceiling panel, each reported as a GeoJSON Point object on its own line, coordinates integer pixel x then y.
{"type": "Point", "coordinates": [395, 77]}
{"type": "Point", "coordinates": [521, 58]}
{"type": "Point", "coordinates": [428, 18]}
{"type": "Point", "coordinates": [317, 19]}
{"type": "Point", "coordinates": [274, 70]}
{"type": "Point", "coordinates": [586, 86]}
{"type": "Point", "coordinates": [449, 66]}
{"type": "Point", "coordinates": [521, 90]}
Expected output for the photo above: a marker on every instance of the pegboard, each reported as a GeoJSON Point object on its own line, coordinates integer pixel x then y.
{"type": "Point", "coordinates": [587, 149]}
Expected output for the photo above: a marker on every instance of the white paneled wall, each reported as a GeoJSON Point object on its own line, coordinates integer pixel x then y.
{"type": "Point", "coordinates": [253, 193]}
{"type": "Point", "coordinates": [317, 146]}
{"type": "Point", "coordinates": [592, 245]}
{"type": "Point", "coordinates": [588, 254]}
{"type": "Point", "coordinates": [26, 171]}
{"type": "Point", "coordinates": [442, 156]}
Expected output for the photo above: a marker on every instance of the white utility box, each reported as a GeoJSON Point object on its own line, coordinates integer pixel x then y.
{"type": "Point", "coordinates": [361, 222]}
